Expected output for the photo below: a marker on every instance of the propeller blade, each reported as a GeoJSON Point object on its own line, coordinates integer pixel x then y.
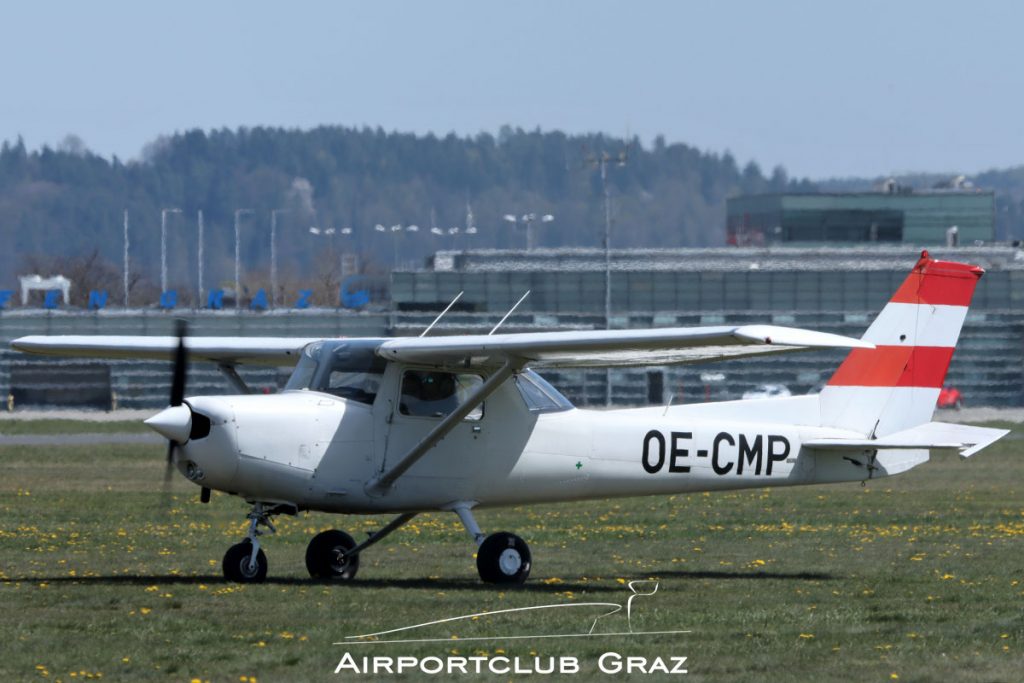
{"type": "Point", "coordinates": [180, 366]}
{"type": "Point", "coordinates": [177, 399]}
{"type": "Point", "coordinates": [168, 472]}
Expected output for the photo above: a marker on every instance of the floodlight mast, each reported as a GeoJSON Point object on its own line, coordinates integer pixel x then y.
{"type": "Point", "coordinates": [273, 255]}
{"type": "Point", "coordinates": [528, 219]}
{"type": "Point", "coordinates": [238, 256]}
{"type": "Point", "coordinates": [330, 233]}
{"type": "Point", "coordinates": [163, 246]}
{"type": "Point", "coordinates": [126, 258]}
{"type": "Point", "coordinates": [199, 259]}
{"type": "Point", "coordinates": [601, 160]}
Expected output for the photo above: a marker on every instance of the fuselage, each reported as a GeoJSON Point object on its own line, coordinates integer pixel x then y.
{"type": "Point", "coordinates": [319, 451]}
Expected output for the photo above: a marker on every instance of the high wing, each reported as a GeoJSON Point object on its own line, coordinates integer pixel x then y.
{"type": "Point", "coordinates": [622, 348]}
{"type": "Point", "coordinates": [257, 350]}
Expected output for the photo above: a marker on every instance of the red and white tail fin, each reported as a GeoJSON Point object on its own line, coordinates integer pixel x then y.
{"type": "Point", "coordinates": [895, 386]}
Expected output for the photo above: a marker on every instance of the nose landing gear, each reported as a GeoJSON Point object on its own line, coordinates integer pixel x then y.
{"type": "Point", "coordinates": [246, 562]}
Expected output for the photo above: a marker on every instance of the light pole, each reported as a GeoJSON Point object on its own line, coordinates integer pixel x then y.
{"type": "Point", "coordinates": [238, 256]}
{"type": "Point", "coordinates": [199, 259]}
{"type": "Point", "coordinates": [126, 258]}
{"type": "Point", "coordinates": [602, 161]}
{"type": "Point", "coordinates": [163, 247]}
{"type": "Point", "coordinates": [330, 233]}
{"type": "Point", "coordinates": [529, 219]}
{"type": "Point", "coordinates": [273, 255]}
{"type": "Point", "coordinates": [341, 256]}
{"type": "Point", "coordinates": [395, 231]}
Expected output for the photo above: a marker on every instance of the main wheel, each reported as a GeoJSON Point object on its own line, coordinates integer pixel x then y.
{"type": "Point", "coordinates": [328, 557]}
{"type": "Point", "coordinates": [236, 564]}
{"type": "Point", "coordinates": [503, 558]}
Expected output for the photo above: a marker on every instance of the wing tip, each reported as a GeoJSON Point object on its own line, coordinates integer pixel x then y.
{"type": "Point", "coordinates": [798, 337]}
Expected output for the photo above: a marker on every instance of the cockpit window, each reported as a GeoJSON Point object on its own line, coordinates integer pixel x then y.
{"type": "Point", "coordinates": [349, 370]}
{"type": "Point", "coordinates": [436, 394]}
{"type": "Point", "coordinates": [539, 396]}
{"type": "Point", "coordinates": [303, 373]}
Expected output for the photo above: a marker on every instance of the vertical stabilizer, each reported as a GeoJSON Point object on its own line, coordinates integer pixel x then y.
{"type": "Point", "coordinates": [895, 385]}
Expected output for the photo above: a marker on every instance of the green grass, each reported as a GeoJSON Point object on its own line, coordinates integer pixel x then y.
{"type": "Point", "coordinates": [919, 576]}
{"type": "Point", "coordinates": [54, 426]}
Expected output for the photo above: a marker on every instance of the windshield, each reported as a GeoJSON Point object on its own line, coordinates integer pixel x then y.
{"type": "Point", "coordinates": [539, 396]}
{"type": "Point", "coordinates": [349, 369]}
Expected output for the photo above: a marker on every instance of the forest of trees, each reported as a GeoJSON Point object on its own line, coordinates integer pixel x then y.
{"type": "Point", "coordinates": [63, 208]}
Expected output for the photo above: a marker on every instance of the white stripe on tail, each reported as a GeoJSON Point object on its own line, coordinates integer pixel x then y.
{"type": "Point", "coordinates": [895, 386]}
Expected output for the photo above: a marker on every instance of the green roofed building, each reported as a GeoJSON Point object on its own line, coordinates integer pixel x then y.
{"type": "Point", "coordinates": [921, 218]}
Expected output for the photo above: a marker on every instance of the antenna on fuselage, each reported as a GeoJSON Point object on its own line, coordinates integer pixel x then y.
{"type": "Point", "coordinates": [514, 307]}
{"type": "Point", "coordinates": [441, 314]}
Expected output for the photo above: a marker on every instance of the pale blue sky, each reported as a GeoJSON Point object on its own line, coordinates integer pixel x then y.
{"type": "Point", "coordinates": [823, 88]}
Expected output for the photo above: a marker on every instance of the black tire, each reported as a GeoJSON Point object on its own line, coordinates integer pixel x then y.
{"type": "Point", "coordinates": [503, 558]}
{"type": "Point", "coordinates": [327, 556]}
{"type": "Point", "coordinates": [236, 564]}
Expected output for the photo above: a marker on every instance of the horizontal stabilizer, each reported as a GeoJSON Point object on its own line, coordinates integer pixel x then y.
{"type": "Point", "coordinates": [965, 439]}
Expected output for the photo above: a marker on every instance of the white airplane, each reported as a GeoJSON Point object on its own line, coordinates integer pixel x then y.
{"type": "Point", "coordinates": [410, 425]}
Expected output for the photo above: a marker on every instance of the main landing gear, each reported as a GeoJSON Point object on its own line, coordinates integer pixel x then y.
{"type": "Point", "coordinates": [332, 555]}
{"type": "Point", "coordinates": [501, 558]}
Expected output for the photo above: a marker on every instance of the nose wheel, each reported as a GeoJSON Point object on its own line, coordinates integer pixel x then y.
{"type": "Point", "coordinates": [246, 562]}
{"type": "Point", "coordinates": [241, 565]}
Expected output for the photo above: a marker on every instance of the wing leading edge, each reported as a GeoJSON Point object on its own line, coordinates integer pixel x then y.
{"type": "Point", "coordinates": [256, 350]}
{"type": "Point", "coordinates": [603, 348]}
{"type": "Point", "coordinates": [622, 348]}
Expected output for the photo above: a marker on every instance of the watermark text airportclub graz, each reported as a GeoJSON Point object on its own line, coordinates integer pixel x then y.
{"type": "Point", "coordinates": [611, 663]}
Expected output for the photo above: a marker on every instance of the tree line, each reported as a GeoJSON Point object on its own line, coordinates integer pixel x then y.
{"type": "Point", "coordinates": [63, 207]}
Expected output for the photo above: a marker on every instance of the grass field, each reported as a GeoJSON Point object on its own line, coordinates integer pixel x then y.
{"type": "Point", "coordinates": [914, 578]}
{"type": "Point", "coordinates": [52, 426]}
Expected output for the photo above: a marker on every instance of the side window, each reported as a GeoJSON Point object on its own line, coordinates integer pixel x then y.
{"type": "Point", "coordinates": [436, 394]}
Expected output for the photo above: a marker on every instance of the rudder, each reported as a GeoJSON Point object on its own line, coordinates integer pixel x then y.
{"type": "Point", "coordinates": [895, 386]}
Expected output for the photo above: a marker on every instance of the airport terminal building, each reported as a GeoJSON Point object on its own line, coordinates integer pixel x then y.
{"type": "Point", "coordinates": [824, 261]}
{"type": "Point", "coordinates": [829, 288]}
{"type": "Point", "coordinates": [892, 216]}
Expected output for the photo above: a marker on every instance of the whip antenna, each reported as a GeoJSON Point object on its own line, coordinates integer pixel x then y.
{"type": "Point", "coordinates": [441, 315]}
{"type": "Point", "coordinates": [514, 307]}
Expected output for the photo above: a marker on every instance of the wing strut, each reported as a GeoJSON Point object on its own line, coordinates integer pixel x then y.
{"type": "Point", "coordinates": [233, 378]}
{"type": "Point", "coordinates": [380, 484]}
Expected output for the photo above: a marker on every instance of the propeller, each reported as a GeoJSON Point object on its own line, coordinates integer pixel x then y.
{"type": "Point", "coordinates": [175, 421]}
{"type": "Point", "coordinates": [177, 390]}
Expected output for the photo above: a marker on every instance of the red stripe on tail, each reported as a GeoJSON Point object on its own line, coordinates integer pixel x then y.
{"type": "Point", "coordinates": [939, 283]}
{"type": "Point", "coordinates": [894, 366]}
